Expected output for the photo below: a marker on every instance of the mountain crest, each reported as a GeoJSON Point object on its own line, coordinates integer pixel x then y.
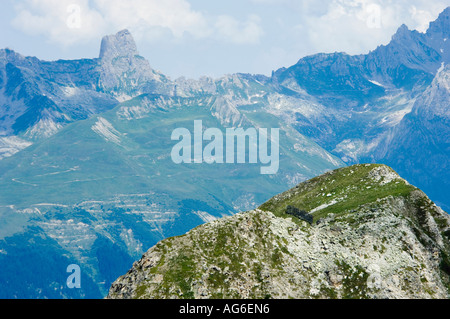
{"type": "Point", "coordinates": [442, 24]}
{"type": "Point", "coordinates": [402, 33]}
{"type": "Point", "coordinates": [121, 44]}
{"type": "Point", "coordinates": [124, 73]}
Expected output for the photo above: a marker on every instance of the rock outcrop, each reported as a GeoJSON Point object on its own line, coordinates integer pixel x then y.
{"type": "Point", "coordinates": [125, 73]}
{"type": "Point", "coordinates": [374, 236]}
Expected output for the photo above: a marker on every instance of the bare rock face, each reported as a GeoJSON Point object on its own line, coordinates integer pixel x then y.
{"type": "Point", "coordinates": [125, 73]}
{"type": "Point", "coordinates": [120, 45]}
{"type": "Point", "coordinates": [374, 236]}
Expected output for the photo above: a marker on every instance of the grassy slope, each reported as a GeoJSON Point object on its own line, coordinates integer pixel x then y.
{"type": "Point", "coordinates": [349, 187]}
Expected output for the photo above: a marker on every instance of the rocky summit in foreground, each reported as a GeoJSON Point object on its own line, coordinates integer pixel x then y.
{"type": "Point", "coordinates": [356, 232]}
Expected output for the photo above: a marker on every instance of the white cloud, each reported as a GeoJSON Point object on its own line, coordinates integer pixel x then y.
{"type": "Point", "coordinates": [69, 22]}
{"type": "Point", "coordinates": [421, 18]}
{"type": "Point", "coordinates": [305, 27]}
{"type": "Point", "coordinates": [234, 31]}
{"type": "Point", "coordinates": [358, 26]}
{"type": "Point", "coordinates": [174, 15]}
{"type": "Point", "coordinates": [58, 20]}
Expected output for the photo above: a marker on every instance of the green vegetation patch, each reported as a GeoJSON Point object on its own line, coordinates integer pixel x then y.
{"type": "Point", "coordinates": [354, 282]}
{"type": "Point", "coordinates": [337, 192]}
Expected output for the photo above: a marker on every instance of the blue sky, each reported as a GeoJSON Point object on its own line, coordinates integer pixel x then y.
{"type": "Point", "coordinates": [192, 38]}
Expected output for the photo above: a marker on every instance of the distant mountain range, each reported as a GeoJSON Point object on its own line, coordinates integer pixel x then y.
{"type": "Point", "coordinates": [85, 170]}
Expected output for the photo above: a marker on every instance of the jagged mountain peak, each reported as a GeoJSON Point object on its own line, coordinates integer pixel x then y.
{"type": "Point", "coordinates": [442, 24]}
{"type": "Point", "coordinates": [8, 55]}
{"type": "Point", "coordinates": [120, 44]}
{"type": "Point", "coordinates": [406, 36]}
{"type": "Point", "coordinates": [124, 72]}
{"type": "Point", "coordinates": [410, 59]}
{"type": "Point", "coordinates": [7, 52]}
{"type": "Point", "coordinates": [402, 32]}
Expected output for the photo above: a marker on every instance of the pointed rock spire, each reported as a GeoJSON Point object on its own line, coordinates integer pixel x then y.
{"type": "Point", "coordinates": [123, 72]}
{"type": "Point", "coordinates": [119, 45]}
{"type": "Point", "coordinates": [402, 32]}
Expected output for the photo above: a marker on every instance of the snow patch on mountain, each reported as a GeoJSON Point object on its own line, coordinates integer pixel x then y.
{"type": "Point", "coordinates": [133, 244]}
{"type": "Point", "coordinates": [287, 107]}
{"type": "Point", "coordinates": [11, 145]}
{"type": "Point", "coordinates": [394, 118]}
{"type": "Point", "coordinates": [133, 112]}
{"type": "Point", "coordinates": [315, 151]}
{"type": "Point", "coordinates": [354, 149]}
{"type": "Point", "coordinates": [70, 91]}
{"type": "Point", "coordinates": [226, 112]}
{"type": "Point", "coordinates": [207, 218]}
{"type": "Point", "coordinates": [105, 129]}
{"type": "Point", "coordinates": [376, 83]}
{"type": "Point", "coordinates": [43, 129]}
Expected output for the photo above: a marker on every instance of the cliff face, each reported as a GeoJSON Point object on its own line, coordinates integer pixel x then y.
{"type": "Point", "coordinates": [373, 236]}
{"type": "Point", "coordinates": [123, 72]}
